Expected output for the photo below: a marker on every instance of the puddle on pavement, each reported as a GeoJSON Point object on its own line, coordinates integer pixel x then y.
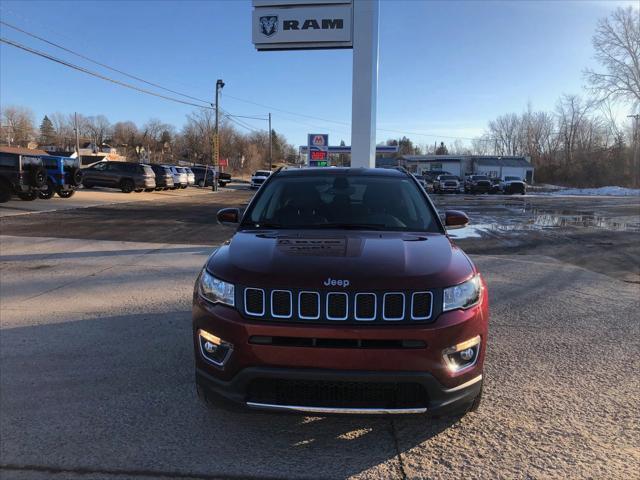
{"type": "Point", "coordinates": [525, 220]}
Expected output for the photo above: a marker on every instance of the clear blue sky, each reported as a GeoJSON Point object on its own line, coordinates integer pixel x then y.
{"type": "Point", "coordinates": [446, 67]}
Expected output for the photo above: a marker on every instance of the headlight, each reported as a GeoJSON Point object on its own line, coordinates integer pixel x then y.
{"type": "Point", "coordinates": [215, 290]}
{"type": "Point", "coordinates": [464, 295]}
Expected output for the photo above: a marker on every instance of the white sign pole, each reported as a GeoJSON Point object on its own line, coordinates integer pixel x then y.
{"type": "Point", "coordinates": [365, 83]}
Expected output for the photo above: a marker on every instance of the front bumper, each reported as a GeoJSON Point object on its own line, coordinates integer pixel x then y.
{"type": "Point", "coordinates": [445, 390]}
{"type": "Point", "coordinates": [441, 399]}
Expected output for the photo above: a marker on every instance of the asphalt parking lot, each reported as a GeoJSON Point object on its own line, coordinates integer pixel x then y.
{"type": "Point", "coordinates": [97, 370]}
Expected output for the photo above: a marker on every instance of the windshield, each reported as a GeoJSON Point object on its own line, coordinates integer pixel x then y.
{"type": "Point", "coordinates": [508, 179]}
{"type": "Point", "coordinates": [261, 173]}
{"type": "Point", "coordinates": [339, 201]}
{"type": "Point", "coordinates": [448, 177]}
{"type": "Point", "coordinates": [479, 177]}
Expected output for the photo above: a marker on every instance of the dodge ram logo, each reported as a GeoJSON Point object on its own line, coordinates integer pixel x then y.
{"type": "Point", "coordinates": [269, 25]}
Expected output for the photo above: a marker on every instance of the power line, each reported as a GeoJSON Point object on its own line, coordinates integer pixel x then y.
{"type": "Point", "coordinates": [61, 47]}
{"type": "Point", "coordinates": [241, 124]}
{"type": "Point", "coordinates": [95, 74]}
{"type": "Point", "coordinates": [246, 116]}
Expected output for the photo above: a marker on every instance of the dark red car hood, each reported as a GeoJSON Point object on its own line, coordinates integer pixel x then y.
{"type": "Point", "coordinates": [369, 261]}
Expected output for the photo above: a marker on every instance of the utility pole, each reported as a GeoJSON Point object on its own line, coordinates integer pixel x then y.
{"type": "Point", "coordinates": [270, 145]}
{"type": "Point", "coordinates": [216, 146]}
{"type": "Point", "coordinates": [75, 127]}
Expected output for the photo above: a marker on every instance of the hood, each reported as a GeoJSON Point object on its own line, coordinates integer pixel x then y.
{"type": "Point", "coordinates": [368, 261]}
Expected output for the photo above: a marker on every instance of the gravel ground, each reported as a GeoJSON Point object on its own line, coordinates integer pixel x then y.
{"type": "Point", "coordinates": [97, 370]}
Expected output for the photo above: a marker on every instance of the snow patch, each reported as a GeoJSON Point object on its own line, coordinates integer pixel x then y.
{"type": "Point", "coordinates": [607, 191]}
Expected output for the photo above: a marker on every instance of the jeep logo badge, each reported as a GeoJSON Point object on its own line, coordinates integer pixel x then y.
{"type": "Point", "coordinates": [269, 25]}
{"type": "Point", "coordinates": [330, 282]}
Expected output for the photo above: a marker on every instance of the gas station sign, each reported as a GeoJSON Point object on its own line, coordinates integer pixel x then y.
{"type": "Point", "coordinates": [318, 149]}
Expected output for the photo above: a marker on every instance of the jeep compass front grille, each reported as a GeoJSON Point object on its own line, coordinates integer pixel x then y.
{"type": "Point", "coordinates": [329, 307]}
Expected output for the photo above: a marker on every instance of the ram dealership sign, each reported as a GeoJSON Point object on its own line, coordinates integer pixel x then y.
{"type": "Point", "coordinates": [302, 24]}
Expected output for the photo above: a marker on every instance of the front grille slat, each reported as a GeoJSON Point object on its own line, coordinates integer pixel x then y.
{"type": "Point", "coordinates": [328, 306]}
{"type": "Point", "coordinates": [365, 306]}
{"type": "Point", "coordinates": [254, 303]}
{"type": "Point", "coordinates": [309, 305]}
{"type": "Point", "coordinates": [421, 305]}
{"type": "Point", "coordinates": [393, 307]}
{"type": "Point", "coordinates": [337, 306]}
{"type": "Point", "coordinates": [281, 304]}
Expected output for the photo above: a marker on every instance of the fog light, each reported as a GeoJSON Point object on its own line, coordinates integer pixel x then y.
{"type": "Point", "coordinates": [467, 354]}
{"type": "Point", "coordinates": [463, 355]}
{"type": "Point", "coordinates": [214, 349]}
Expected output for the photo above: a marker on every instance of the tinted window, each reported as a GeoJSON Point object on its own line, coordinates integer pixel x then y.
{"type": "Point", "coordinates": [448, 177]}
{"type": "Point", "coordinates": [50, 163]}
{"type": "Point", "coordinates": [338, 201]}
{"type": "Point", "coordinates": [8, 160]}
{"type": "Point", "coordinates": [31, 161]}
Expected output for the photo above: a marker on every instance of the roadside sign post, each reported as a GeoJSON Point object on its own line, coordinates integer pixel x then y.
{"type": "Point", "coordinates": [365, 83]}
{"type": "Point", "coordinates": [327, 24]}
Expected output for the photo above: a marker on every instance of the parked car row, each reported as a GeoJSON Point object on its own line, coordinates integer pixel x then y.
{"type": "Point", "coordinates": [43, 176]}
{"type": "Point", "coordinates": [32, 176]}
{"type": "Point", "coordinates": [130, 177]}
{"type": "Point", "coordinates": [444, 182]}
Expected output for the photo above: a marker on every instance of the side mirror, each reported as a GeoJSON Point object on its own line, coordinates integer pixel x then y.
{"type": "Point", "coordinates": [229, 216]}
{"type": "Point", "coordinates": [455, 219]}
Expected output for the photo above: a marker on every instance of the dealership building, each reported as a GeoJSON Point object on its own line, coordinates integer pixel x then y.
{"type": "Point", "coordinates": [461, 165]}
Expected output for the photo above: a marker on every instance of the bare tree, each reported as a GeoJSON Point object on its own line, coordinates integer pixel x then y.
{"type": "Point", "coordinates": [64, 131]}
{"type": "Point", "coordinates": [18, 125]}
{"type": "Point", "coordinates": [505, 131]}
{"type": "Point", "coordinates": [98, 129]}
{"type": "Point", "coordinates": [571, 113]}
{"type": "Point", "coordinates": [126, 138]}
{"type": "Point", "coordinates": [617, 46]}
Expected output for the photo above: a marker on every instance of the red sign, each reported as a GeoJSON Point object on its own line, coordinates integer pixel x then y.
{"type": "Point", "coordinates": [223, 162]}
{"type": "Point", "coordinates": [318, 155]}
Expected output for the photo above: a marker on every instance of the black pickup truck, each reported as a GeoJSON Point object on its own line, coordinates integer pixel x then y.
{"type": "Point", "coordinates": [204, 176]}
{"type": "Point", "coordinates": [21, 175]}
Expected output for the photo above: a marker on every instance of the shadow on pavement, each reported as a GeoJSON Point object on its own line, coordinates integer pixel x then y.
{"type": "Point", "coordinates": [117, 394]}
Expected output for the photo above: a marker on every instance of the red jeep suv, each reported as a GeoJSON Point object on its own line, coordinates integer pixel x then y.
{"type": "Point", "coordinates": [341, 292]}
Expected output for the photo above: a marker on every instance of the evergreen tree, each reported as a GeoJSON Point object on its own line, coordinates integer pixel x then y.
{"type": "Point", "coordinates": [47, 132]}
{"type": "Point", "coordinates": [442, 149]}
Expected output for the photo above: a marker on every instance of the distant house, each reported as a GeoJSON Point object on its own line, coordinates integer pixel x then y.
{"type": "Point", "coordinates": [461, 165]}
{"type": "Point", "coordinates": [91, 153]}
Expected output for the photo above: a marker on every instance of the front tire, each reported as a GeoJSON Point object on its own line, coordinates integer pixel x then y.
{"type": "Point", "coordinates": [49, 192]}
{"type": "Point", "coordinates": [65, 193]}
{"type": "Point", "coordinates": [127, 186]}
